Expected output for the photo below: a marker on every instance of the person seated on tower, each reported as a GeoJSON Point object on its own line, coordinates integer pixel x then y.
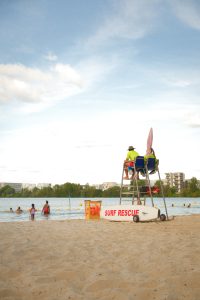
{"type": "Point", "coordinates": [129, 161]}
{"type": "Point", "coordinates": [152, 155]}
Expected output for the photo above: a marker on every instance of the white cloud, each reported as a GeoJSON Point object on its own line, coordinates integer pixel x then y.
{"type": "Point", "coordinates": [32, 85]}
{"type": "Point", "coordinates": [192, 117]}
{"type": "Point", "coordinates": [67, 74]}
{"type": "Point", "coordinates": [131, 19]}
{"type": "Point", "coordinates": [175, 82]}
{"type": "Point", "coordinates": [51, 57]}
{"type": "Point", "coordinates": [180, 77]}
{"type": "Point", "coordinates": [37, 88]}
{"type": "Point", "coordinates": [188, 11]}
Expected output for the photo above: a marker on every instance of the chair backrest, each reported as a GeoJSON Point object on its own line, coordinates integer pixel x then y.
{"type": "Point", "coordinates": [139, 162]}
{"type": "Point", "coordinates": [151, 163]}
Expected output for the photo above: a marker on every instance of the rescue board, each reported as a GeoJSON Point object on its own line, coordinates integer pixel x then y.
{"type": "Point", "coordinates": [129, 213]}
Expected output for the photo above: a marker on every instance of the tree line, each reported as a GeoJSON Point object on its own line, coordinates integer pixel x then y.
{"type": "Point", "coordinates": [191, 189]}
{"type": "Point", "coordinates": [64, 190]}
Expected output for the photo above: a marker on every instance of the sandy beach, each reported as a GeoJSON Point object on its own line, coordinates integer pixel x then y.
{"type": "Point", "coordinates": [80, 259]}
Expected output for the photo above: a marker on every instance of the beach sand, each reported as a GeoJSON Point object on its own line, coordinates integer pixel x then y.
{"type": "Point", "coordinates": [78, 259]}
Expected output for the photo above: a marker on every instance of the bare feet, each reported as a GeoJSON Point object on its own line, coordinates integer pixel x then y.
{"type": "Point", "coordinates": [126, 178]}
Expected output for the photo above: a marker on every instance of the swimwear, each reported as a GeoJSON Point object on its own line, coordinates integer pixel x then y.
{"type": "Point", "coordinates": [46, 210]}
{"type": "Point", "coordinates": [32, 212]}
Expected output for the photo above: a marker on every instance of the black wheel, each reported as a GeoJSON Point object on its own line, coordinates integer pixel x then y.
{"type": "Point", "coordinates": [162, 217]}
{"type": "Point", "coordinates": [136, 218]}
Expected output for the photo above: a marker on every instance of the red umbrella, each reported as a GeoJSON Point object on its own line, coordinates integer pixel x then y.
{"type": "Point", "coordinates": [149, 142]}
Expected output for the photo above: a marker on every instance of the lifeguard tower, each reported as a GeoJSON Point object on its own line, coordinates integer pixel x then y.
{"type": "Point", "coordinates": [132, 205]}
{"type": "Point", "coordinates": [135, 192]}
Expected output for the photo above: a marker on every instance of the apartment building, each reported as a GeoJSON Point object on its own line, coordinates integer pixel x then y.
{"type": "Point", "coordinates": [108, 185]}
{"type": "Point", "coordinates": [19, 186]}
{"type": "Point", "coordinates": [28, 186]}
{"type": "Point", "coordinates": [176, 180]}
{"type": "Point", "coordinates": [43, 185]}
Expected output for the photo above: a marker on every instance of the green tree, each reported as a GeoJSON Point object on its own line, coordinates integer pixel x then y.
{"type": "Point", "coordinates": [7, 191]}
{"type": "Point", "coordinates": [112, 192]}
{"type": "Point", "coordinates": [193, 185]}
{"type": "Point", "coordinates": [191, 188]}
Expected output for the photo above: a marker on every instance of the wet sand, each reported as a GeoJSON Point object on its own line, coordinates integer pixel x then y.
{"type": "Point", "coordinates": [80, 259]}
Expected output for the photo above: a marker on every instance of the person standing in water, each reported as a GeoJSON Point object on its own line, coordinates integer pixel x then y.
{"type": "Point", "coordinates": [32, 212]}
{"type": "Point", "coordinates": [46, 208]}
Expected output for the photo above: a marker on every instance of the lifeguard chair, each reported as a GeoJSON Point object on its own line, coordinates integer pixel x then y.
{"type": "Point", "coordinates": [137, 192]}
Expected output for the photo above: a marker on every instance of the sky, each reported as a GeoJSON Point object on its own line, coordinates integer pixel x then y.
{"type": "Point", "coordinates": [82, 80]}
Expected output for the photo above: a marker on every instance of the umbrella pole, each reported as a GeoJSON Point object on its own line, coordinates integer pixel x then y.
{"type": "Point", "coordinates": [69, 202]}
{"type": "Point", "coordinates": [120, 200]}
{"type": "Point", "coordinates": [162, 191]}
{"type": "Point", "coordinates": [149, 184]}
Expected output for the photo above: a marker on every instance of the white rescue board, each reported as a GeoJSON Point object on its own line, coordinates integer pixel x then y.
{"type": "Point", "coordinates": [127, 212]}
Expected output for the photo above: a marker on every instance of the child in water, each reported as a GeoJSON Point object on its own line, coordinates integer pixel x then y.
{"type": "Point", "coordinates": [32, 212]}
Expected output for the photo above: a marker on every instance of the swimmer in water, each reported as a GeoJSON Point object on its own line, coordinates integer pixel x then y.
{"type": "Point", "coordinates": [19, 210]}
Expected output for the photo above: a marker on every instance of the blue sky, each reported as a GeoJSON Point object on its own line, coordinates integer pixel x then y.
{"type": "Point", "coordinates": [80, 81]}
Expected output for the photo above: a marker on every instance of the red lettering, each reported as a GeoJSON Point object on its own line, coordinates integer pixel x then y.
{"type": "Point", "coordinates": [110, 212]}
{"type": "Point", "coordinates": [126, 212]}
{"type": "Point", "coordinates": [129, 212]}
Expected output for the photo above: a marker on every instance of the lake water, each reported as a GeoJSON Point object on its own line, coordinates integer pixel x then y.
{"type": "Point", "coordinates": [65, 208]}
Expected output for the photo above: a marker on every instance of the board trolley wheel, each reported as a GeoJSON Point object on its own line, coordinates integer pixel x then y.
{"type": "Point", "coordinates": [136, 218]}
{"type": "Point", "coordinates": [162, 217]}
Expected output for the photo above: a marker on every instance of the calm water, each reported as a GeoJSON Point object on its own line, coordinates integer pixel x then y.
{"type": "Point", "coordinates": [64, 208]}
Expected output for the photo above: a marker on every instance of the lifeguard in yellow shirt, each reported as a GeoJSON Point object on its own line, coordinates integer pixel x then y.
{"type": "Point", "coordinates": [129, 162]}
